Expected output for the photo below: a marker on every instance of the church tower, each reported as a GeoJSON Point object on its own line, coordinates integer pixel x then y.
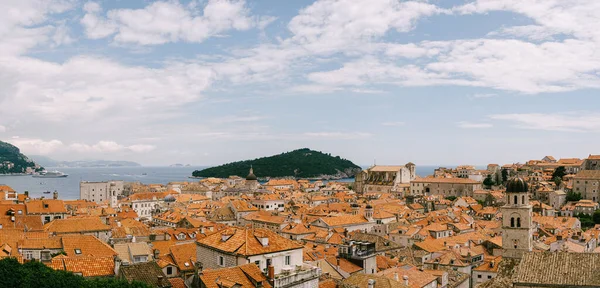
{"type": "Point", "coordinates": [251, 180]}
{"type": "Point", "coordinates": [517, 227]}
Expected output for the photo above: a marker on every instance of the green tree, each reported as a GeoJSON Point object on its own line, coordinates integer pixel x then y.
{"type": "Point", "coordinates": [451, 198]}
{"type": "Point", "coordinates": [488, 182]}
{"type": "Point", "coordinates": [586, 220]}
{"type": "Point", "coordinates": [557, 181]}
{"type": "Point", "coordinates": [36, 274]}
{"type": "Point", "coordinates": [559, 172]}
{"type": "Point", "coordinates": [596, 216]}
{"type": "Point", "coordinates": [504, 175]}
{"type": "Point", "coordinates": [572, 196]}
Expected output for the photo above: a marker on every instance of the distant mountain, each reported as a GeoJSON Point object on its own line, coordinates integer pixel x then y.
{"type": "Point", "coordinates": [301, 163]}
{"type": "Point", "coordinates": [12, 161]}
{"type": "Point", "coordinates": [49, 162]}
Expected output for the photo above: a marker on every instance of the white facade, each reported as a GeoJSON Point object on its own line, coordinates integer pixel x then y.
{"type": "Point", "coordinates": [101, 191]}
{"type": "Point", "coordinates": [269, 205]}
{"type": "Point", "coordinates": [144, 207]}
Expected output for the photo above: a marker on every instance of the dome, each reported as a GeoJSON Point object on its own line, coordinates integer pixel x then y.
{"type": "Point", "coordinates": [517, 185]}
{"type": "Point", "coordinates": [170, 198]}
{"type": "Point", "coordinates": [251, 176]}
{"type": "Point", "coordinates": [369, 206]}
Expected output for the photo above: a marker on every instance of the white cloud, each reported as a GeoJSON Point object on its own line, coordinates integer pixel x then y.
{"type": "Point", "coordinates": [88, 87]}
{"type": "Point", "coordinates": [471, 125]}
{"type": "Point", "coordinates": [572, 121]}
{"type": "Point", "coordinates": [532, 32]}
{"type": "Point", "coordinates": [395, 124]}
{"type": "Point", "coordinates": [337, 135]}
{"type": "Point", "coordinates": [483, 95]}
{"type": "Point", "coordinates": [109, 147]}
{"type": "Point", "coordinates": [169, 21]}
{"type": "Point", "coordinates": [36, 146]}
{"type": "Point", "coordinates": [333, 25]}
{"type": "Point", "coordinates": [2, 128]}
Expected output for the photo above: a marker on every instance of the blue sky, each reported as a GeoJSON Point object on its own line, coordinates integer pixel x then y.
{"type": "Point", "coordinates": [207, 82]}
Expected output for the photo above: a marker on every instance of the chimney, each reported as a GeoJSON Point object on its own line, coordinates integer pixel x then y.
{"type": "Point", "coordinates": [160, 279]}
{"type": "Point", "coordinates": [405, 278]}
{"type": "Point", "coordinates": [338, 262]}
{"type": "Point", "coordinates": [198, 268]}
{"type": "Point", "coordinates": [396, 276]}
{"type": "Point", "coordinates": [156, 254]}
{"type": "Point", "coordinates": [26, 194]}
{"type": "Point", "coordinates": [271, 274]}
{"type": "Point", "coordinates": [371, 283]}
{"type": "Point", "coordinates": [55, 195]}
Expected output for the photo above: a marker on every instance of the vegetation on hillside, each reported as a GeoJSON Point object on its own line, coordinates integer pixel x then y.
{"type": "Point", "coordinates": [36, 274]}
{"type": "Point", "coordinates": [9, 154]}
{"type": "Point", "coordinates": [301, 163]}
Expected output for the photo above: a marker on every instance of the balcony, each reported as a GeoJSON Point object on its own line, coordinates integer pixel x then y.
{"type": "Point", "coordinates": [291, 278]}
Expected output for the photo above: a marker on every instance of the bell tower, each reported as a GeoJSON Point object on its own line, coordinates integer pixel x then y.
{"type": "Point", "coordinates": [517, 227]}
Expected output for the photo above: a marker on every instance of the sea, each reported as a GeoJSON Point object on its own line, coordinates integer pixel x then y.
{"type": "Point", "coordinates": [68, 188]}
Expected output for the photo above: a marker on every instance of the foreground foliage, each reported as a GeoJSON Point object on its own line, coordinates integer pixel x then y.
{"type": "Point", "coordinates": [36, 274]}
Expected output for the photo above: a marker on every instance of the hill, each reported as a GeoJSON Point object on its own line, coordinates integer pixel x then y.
{"type": "Point", "coordinates": [49, 162]}
{"type": "Point", "coordinates": [301, 163]}
{"type": "Point", "coordinates": [12, 161]}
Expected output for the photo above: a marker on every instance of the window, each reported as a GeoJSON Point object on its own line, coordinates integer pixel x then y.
{"type": "Point", "coordinates": [489, 276]}
{"type": "Point", "coordinates": [516, 200]}
{"type": "Point", "coordinates": [169, 270]}
{"type": "Point", "coordinates": [523, 199]}
{"type": "Point", "coordinates": [479, 276]}
{"type": "Point", "coordinates": [29, 255]}
{"type": "Point", "coordinates": [257, 262]}
{"type": "Point", "coordinates": [77, 251]}
{"type": "Point", "coordinates": [221, 261]}
{"type": "Point", "coordinates": [519, 222]}
{"type": "Point", "coordinates": [288, 260]}
{"type": "Point", "coordinates": [512, 222]}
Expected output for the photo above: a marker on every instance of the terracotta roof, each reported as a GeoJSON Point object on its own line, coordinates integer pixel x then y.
{"type": "Point", "coordinates": [344, 220]}
{"type": "Point", "coordinates": [245, 242]}
{"type": "Point", "coordinates": [559, 268]}
{"type": "Point", "coordinates": [41, 243]}
{"type": "Point", "coordinates": [344, 265]}
{"type": "Point", "coordinates": [446, 180]}
{"type": "Point", "coordinates": [416, 278]}
{"type": "Point", "coordinates": [87, 266]}
{"type": "Point", "coordinates": [88, 246]}
{"type": "Point", "coordinates": [147, 272]}
{"type": "Point", "coordinates": [76, 225]}
{"type": "Point", "coordinates": [243, 275]}
{"type": "Point", "coordinates": [360, 280]}
{"type": "Point", "coordinates": [588, 174]}
{"type": "Point", "coordinates": [177, 282]}
{"type": "Point", "coordinates": [45, 206]}
{"type": "Point", "coordinates": [184, 256]}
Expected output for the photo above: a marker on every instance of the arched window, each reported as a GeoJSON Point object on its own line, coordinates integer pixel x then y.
{"type": "Point", "coordinates": [516, 200]}
{"type": "Point", "coordinates": [523, 199]}
{"type": "Point", "coordinates": [512, 221]}
{"type": "Point", "coordinates": [518, 221]}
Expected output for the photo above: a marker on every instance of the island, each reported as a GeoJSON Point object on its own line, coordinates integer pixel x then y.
{"type": "Point", "coordinates": [301, 163]}
{"type": "Point", "coordinates": [12, 161]}
{"type": "Point", "coordinates": [49, 162]}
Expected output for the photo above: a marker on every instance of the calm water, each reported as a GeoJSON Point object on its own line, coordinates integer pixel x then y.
{"type": "Point", "coordinates": [68, 188]}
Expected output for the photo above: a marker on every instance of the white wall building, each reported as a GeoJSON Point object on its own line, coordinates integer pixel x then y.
{"type": "Point", "coordinates": [101, 191]}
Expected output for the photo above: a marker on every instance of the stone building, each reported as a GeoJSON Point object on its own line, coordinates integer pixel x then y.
{"type": "Point", "coordinates": [444, 187]}
{"type": "Point", "coordinates": [384, 179]}
{"type": "Point", "coordinates": [517, 227]}
{"type": "Point", "coordinates": [587, 182]}
{"type": "Point", "coordinates": [101, 191]}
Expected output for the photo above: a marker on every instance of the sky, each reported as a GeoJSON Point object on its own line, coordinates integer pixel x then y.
{"type": "Point", "coordinates": [436, 82]}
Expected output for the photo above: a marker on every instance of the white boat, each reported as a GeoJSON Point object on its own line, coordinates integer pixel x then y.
{"type": "Point", "coordinates": [50, 174]}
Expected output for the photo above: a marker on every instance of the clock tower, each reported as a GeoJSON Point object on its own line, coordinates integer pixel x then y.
{"type": "Point", "coordinates": [517, 226]}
